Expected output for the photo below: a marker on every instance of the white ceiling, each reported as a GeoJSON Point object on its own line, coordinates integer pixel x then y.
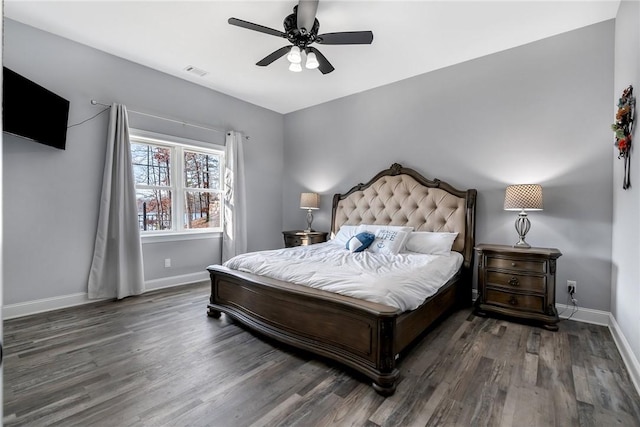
{"type": "Point", "coordinates": [410, 38]}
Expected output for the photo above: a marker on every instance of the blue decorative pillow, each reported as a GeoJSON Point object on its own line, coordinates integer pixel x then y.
{"type": "Point", "coordinates": [360, 242]}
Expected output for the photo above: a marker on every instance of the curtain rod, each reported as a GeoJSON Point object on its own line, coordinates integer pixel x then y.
{"type": "Point", "coordinates": [94, 102]}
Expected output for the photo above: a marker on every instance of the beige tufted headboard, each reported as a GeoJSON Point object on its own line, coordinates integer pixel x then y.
{"type": "Point", "coordinates": [401, 196]}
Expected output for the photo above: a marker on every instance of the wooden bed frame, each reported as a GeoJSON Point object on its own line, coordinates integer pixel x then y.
{"type": "Point", "coordinates": [365, 336]}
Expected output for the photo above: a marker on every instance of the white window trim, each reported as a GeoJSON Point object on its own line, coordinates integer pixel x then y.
{"type": "Point", "coordinates": [175, 236]}
{"type": "Point", "coordinates": [170, 141]}
{"type": "Point", "coordinates": [163, 139]}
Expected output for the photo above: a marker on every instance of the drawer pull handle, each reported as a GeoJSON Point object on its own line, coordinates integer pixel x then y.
{"type": "Point", "coordinates": [513, 300]}
{"type": "Point", "coordinates": [514, 281]}
{"type": "Point", "coordinates": [513, 264]}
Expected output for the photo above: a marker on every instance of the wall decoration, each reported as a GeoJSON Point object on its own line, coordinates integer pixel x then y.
{"type": "Point", "coordinates": [623, 128]}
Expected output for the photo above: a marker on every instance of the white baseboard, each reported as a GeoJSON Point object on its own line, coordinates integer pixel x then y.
{"type": "Point", "coordinates": [168, 282]}
{"type": "Point", "coordinates": [630, 360]}
{"type": "Point", "coordinates": [11, 311]}
{"type": "Point", "coordinates": [586, 315]}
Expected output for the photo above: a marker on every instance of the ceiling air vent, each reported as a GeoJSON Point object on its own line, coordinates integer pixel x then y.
{"type": "Point", "coordinates": [197, 71]}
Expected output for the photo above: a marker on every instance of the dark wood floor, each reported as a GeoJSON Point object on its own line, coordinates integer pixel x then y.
{"type": "Point", "coordinates": [159, 360]}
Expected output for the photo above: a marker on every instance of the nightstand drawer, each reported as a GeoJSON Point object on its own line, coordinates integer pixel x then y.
{"type": "Point", "coordinates": [517, 281]}
{"type": "Point", "coordinates": [515, 301]}
{"type": "Point", "coordinates": [517, 264]}
{"type": "Point", "coordinates": [303, 238]}
{"type": "Point", "coordinates": [290, 241]}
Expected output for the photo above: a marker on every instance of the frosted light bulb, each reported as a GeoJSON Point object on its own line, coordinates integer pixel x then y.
{"type": "Point", "coordinates": [296, 68]}
{"type": "Point", "coordinates": [312, 61]}
{"type": "Point", "coordinates": [294, 55]}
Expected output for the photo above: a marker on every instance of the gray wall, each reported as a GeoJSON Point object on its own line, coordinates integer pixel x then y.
{"type": "Point", "coordinates": [539, 113]}
{"type": "Point", "coordinates": [51, 197]}
{"type": "Point", "coordinates": [625, 279]}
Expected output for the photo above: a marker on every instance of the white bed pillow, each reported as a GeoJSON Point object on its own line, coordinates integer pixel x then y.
{"type": "Point", "coordinates": [373, 228]}
{"type": "Point", "coordinates": [344, 234]}
{"type": "Point", "coordinates": [432, 243]}
{"type": "Point", "coordinates": [389, 241]}
{"type": "Point", "coordinates": [396, 247]}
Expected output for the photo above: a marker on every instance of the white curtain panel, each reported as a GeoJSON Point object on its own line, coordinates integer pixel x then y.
{"type": "Point", "coordinates": [116, 269]}
{"type": "Point", "coordinates": [234, 236]}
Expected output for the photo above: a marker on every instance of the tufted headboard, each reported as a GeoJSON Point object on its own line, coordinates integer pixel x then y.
{"type": "Point", "coordinates": [401, 196]}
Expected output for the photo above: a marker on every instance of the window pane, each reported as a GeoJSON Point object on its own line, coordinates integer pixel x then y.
{"type": "Point", "coordinates": [151, 164]}
{"type": "Point", "coordinates": [154, 209]}
{"type": "Point", "coordinates": [202, 210]}
{"type": "Point", "coordinates": [201, 170]}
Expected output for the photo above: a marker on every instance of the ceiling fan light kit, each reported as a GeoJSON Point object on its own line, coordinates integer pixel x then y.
{"type": "Point", "coordinates": [301, 30]}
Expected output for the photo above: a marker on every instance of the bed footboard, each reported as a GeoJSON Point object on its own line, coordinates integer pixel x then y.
{"type": "Point", "coordinates": [359, 334]}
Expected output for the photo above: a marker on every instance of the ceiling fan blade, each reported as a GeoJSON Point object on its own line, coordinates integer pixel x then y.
{"type": "Point", "coordinates": [347, 37]}
{"type": "Point", "coordinates": [255, 27]}
{"type": "Point", "coordinates": [273, 56]}
{"type": "Point", "coordinates": [306, 14]}
{"type": "Point", "coordinates": [325, 66]}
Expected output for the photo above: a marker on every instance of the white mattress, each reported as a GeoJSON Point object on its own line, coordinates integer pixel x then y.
{"type": "Point", "coordinates": [402, 281]}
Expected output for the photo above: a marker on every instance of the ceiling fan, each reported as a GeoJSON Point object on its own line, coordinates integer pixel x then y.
{"type": "Point", "coordinates": [301, 29]}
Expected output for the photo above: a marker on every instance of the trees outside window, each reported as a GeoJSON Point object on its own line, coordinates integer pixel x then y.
{"type": "Point", "coordinates": [178, 186]}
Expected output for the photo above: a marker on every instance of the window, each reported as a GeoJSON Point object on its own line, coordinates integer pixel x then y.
{"type": "Point", "coordinates": [178, 183]}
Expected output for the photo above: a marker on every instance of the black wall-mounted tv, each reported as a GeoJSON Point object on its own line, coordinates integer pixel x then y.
{"type": "Point", "coordinates": [31, 111]}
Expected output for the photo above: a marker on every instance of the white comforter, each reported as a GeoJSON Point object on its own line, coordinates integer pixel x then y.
{"type": "Point", "coordinates": [402, 281]}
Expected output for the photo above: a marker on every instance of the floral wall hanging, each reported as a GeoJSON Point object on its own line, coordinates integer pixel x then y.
{"type": "Point", "coordinates": [623, 128]}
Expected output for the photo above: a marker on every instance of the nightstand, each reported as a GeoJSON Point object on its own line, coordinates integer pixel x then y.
{"type": "Point", "coordinates": [303, 238]}
{"type": "Point", "coordinates": [518, 282]}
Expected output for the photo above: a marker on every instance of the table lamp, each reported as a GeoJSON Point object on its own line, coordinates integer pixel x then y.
{"type": "Point", "coordinates": [309, 201]}
{"type": "Point", "coordinates": [523, 198]}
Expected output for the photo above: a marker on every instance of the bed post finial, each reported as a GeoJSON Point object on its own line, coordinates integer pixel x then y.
{"type": "Point", "coordinates": [395, 168]}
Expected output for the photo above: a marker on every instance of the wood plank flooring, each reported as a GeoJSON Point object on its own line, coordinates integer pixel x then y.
{"type": "Point", "coordinates": [158, 359]}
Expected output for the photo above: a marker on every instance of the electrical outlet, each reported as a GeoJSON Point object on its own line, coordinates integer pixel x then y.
{"type": "Point", "coordinates": [167, 262]}
{"type": "Point", "coordinates": [572, 286]}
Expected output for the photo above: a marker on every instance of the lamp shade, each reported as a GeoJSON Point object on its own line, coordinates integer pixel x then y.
{"type": "Point", "coordinates": [309, 201]}
{"type": "Point", "coordinates": [294, 55]}
{"type": "Point", "coordinates": [312, 61]}
{"type": "Point", "coordinates": [526, 197]}
{"type": "Point", "coordinates": [296, 68]}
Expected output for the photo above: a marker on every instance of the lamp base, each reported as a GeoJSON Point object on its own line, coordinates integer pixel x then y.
{"type": "Point", "coordinates": [522, 244]}
{"type": "Point", "coordinates": [522, 227]}
{"type": "Point", "coordinates": [309, 221]}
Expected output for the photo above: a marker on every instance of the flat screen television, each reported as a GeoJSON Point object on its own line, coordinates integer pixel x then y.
{"type": "Point", "coordinates": [33, 112]}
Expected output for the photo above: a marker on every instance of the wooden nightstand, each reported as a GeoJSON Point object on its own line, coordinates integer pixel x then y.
{"type": "Point", "coordinates": [303, 238]}
{"type": "Point", "coordinates": [518, 282]}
